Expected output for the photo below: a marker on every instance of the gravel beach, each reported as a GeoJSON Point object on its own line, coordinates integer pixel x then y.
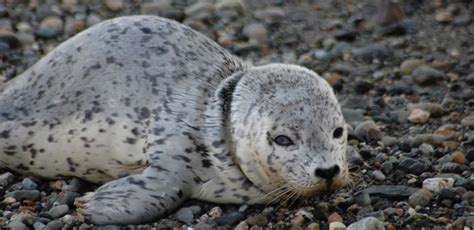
{"type": "Point", "coordinates": [403, 72]}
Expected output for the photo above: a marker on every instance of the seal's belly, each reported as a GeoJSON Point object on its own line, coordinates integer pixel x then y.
{"type": "Point", "coordinates": [97, 151]}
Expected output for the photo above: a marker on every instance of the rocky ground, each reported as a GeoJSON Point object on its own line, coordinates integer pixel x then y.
{"type": "Point", "coordinates": [403, 72]}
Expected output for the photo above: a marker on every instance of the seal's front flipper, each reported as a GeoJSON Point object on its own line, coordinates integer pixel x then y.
{"type": "Point", "coordinates": [134, 199]}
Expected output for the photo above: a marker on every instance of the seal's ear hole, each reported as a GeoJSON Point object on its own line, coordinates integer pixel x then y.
{"type": "Point", "coordinates": [338, 133]}
{"type": "Point", "coordinates": [283, 140]}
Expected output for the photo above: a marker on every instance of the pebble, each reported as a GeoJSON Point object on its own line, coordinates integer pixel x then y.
{"type": "Point", "coordinates": [421, 197]}
{"type": "Point", "coordinates": [449, 194]}
{"type": "Point", "coordinates": [6, 179]}
{"type": "Point", "coordinates": [462, 20]}
{"type": "Point", "coordinates": [50, 27]}
{"type": "Point", "coordinates": [362, 87]}
{"type": "Point", "coordinates": [458, 157]}
{"type": "Point", "coordinates": [425, 75]}
{"type": "Point", "coordinates": [337, 226]}
{"type": "Point", "coordinates": [28, 184]}
{"type": "Point", "coordinates": [378, 175]}
{"type": "Point", "coordinates": [313, 226]}
{"type": "Point", "coordinates": [368, 223]}
{"type": "Point", "coordinates": [58, 211]}
{"type": "Point", "coordinates": [297, 221]}
{"type": "Point", "coordinates": [185, 215]}
{"type": "Point", "coordinates": [409, 65]}
{"type": "Point", "coordinates": [258, 219]}
{"type": "Point", "coordinates": [443, 17]}
{"type": "Point", "coordinates": [32, 195]}
{"type": "Point", "coordinates": [230, 218]}
{"type": "Point", "coordinates": [413, 166]}
{"type": "Point", "coordinates": [55, 224]}
{"type": "Point", "coordinates": [390, 191]}
{"type": "Point", "coordinates": [17, 225]}
{"type": "Point", "coordinates": [9, 38]}
{"type": "Point", "coordinates": [256, 32]}
{"type": "Point", "coordinates": [468, 122]}
{"type": "Point", "coordinates": [216, 212]}
{"type": "Point", "coordinates": [436, 184]}
{"type": "Point", "coordinates": [39, 226]}
{"type": "Point", "coordinates": [114, 5]}
{"type": "Point", "coordinates": [334, 217]}
{"type": "Point", "coordinates": [368, 131]}
{"type": "Point", "coordinates": [435, 109]}
{"type": "Point", "coordinates": [370, 52]}
{"type": "Point", "coordinates": [419, 116]}
{"type": "Point", "coordinates": [9, 200]}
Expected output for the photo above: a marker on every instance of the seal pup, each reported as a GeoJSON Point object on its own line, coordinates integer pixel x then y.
{"type": "Point", "coordinates": [161, 114]}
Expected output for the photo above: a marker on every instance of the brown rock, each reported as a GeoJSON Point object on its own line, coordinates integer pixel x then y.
{"type": "Point", "coordinates": [451, 145]}
{"type": "Point", "coordinates": [459, 157]}
{"type": "Point", "coordinates": [334, 217]}
{"type": "Point", "coordinates": [297, 221]}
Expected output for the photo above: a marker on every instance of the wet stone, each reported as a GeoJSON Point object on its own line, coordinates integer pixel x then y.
{"type": "Point", "coordinates": [421, 197]}
{"type": "Point", "coordinates": [410, 165]}
{"type": "Point", "coordinates": [32, 195]}
{"type": "Point", "coordinates": [230, 218]}
{"type": "Point", "coordinates": [58, 211]}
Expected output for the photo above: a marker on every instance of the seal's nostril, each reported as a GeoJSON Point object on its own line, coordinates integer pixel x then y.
{"type": "Point", "coordinates": [328, 173]}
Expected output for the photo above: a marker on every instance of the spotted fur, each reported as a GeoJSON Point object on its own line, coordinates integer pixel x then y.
{"type": "Point", "coordinates": [160, 114]}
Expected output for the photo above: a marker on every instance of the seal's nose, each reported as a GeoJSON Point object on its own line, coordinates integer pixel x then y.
{"type": "Point", "coordinates": [328, 173]}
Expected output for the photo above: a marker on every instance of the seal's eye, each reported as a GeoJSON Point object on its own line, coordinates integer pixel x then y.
{"type": "Point", "coordinates": [283, 140]}
{"type": "Point", "coordinates": [338, 133]}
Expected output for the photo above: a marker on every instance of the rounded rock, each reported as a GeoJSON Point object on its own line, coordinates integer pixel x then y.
{"type": "Point", "coordinates": [422, 197]}
{"type": "Point", "coordinates": [50, 27]}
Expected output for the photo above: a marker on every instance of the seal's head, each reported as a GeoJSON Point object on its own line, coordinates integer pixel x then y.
{"type": "Point", "coordinates": [288, 131]}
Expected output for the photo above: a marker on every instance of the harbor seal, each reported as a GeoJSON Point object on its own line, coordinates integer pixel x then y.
{"type": "Point", "coordinates": [161, 114]}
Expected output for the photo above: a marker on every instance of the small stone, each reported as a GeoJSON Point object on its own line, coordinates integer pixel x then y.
{"type": "Point", "coordinates": [370, 52]}
{"type": "Point", "coordinates": [257, 219]}
{"type": "Point", "coordinates": [313, 226]}
{"type": "Point", "coordinates": [435, 109]}
{"type": "Point", "coordinates": [436, 184]}
{"type": "Point", "coordinates": [462, 20]}
{"type": "Point", "coordinates": [425, 75]}
{"type": "Point", "coordinates": [335, 217]}
{"type": "Point", "coordinates": [9, 200]}
{"type": "Point", "coordinates": [432, 139]}
{"type": "Point", "coordinates": [378, 175]}
{"type": "Point", "coordinates": [470, 154]}
{"type": "Point", "coordinates": [362, 87]}
{"type": "Point", "coordinates": [9, 38]}
{"type": "Point", "coordinates": [451, 134]}
{"type": "Point", "coordinates": [50, 27]}
{"type": "Point", "coordinates": [241, 226]}
{"type": "Point", "coordinates": [410, 165]}
{"type": "Point", "coordinates": [390, 191]}
{"type": "Point", "coordinates": [93, 19]}
{"type": "Point", "coordinates": [368, 130]}
{"type": "Point", "coordinates": [28, 184]}
{"type": "Point", "coordinates": [17, 225]}
{"type": "Point", "coordinates": [216, 212]}
{"type": "Point", "coordinates": [468, 122]}
{"type": "Point", "coordinates": [368, 223]}
{"type": "Point", "coordinates": [449, 194]}
{"type": "Point", "coordinates": [297, 221]}
{"type": "Point", "coordinates": [230, 218]}
{"type": "Point", "coordinates": [256, 32]}
{"type": "Point", "coordinates": [185, 215]}
{"type": "Point", "coordinates": [443, 16]}
{"type": "Point", "coordinates": [451, 167]}
{"type": "Point", "coordinates": [6, 179]}
{"type": "Point", "coordinates": [39, 226]}
{"type": "Point", "coordinates": [418, 116]}
{"type": "Point", "coordinates": [389, 141]}
{"type": "Point", "coordinates": [409, 65]}
{"type": "Point", "coordinates": [55, 224]}
{"type": "Point", "coordinates": [32, 195]}
{"type": "Point", "coordinates": [337, 226]}
{"type": "Point", "coordinates": [422, 197]}
{"type": "Point", "coordinates": [458, 157]}
{"type": "Point", "coordinates": [200, 10]}
{"type": "Point", "coordinates": [114, 5]}
{"type": "Point", "coordinates": [58, 211]}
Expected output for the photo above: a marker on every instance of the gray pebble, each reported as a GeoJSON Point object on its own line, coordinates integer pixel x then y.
{"type": "Point", "coordinates": [425, 75]}
{"type": "Point", "coordinates": [28, 184]}
{"type": "Point", "coordinates": [422, 197]}
{"type": "Point", "coordinates": [230, 218]}
{"type": "Point", "coordinates": [368, 131]}
{"type": "Point", "coordinates": [410, 165]}
{"type": "Point", "coordinates": [55, 224]}
{"type": "Point", "coordinates": [378, 175]}
{"type": "Point", "coordinates": [370, 52]}
{"type": "Point", "coordinates": [17, 225]}
{"type": "Point", "coordinates": [32, 195]}
{"type": "Point", "coordinates": [368, 223]}
{"type": "Point", "coordinates": [50, 27]}
{"type": "Point", "coordinates": [58, 211]}
{"type": "Point", "coordinates": [185, 215]}
{"type": "Point", "coordinates": [6, 179]}
{"type": "Point", "coordinates": [258, 219]}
